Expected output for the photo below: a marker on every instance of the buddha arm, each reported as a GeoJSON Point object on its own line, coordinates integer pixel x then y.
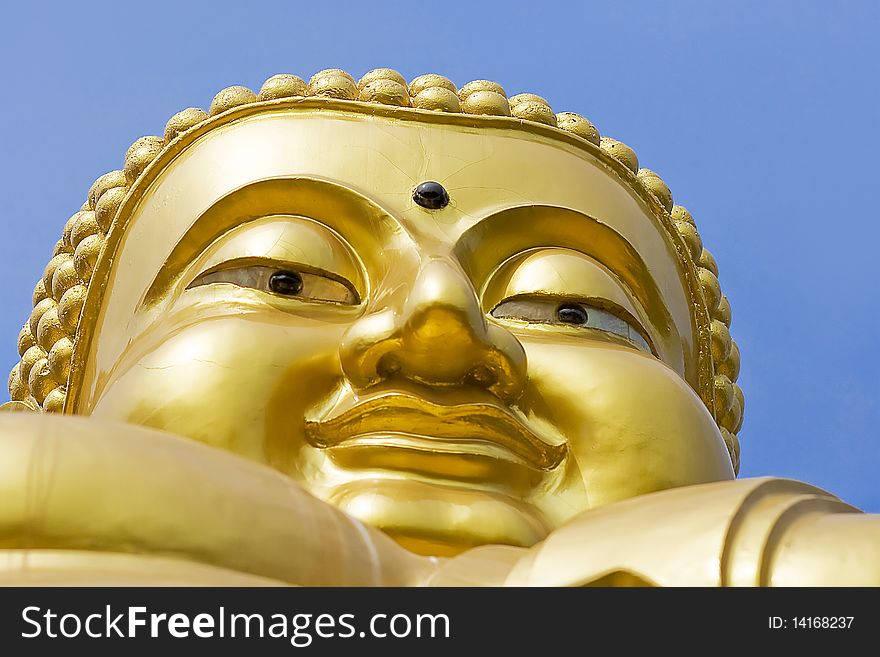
{"type": "Point", "coordinates": [751, 532]}
{"type": "Point", "coordinates": [88, 501]}
{"type": "Point", "coordinates": [83, 501]}
{"type": "Point", "coordinates": [821, 549]}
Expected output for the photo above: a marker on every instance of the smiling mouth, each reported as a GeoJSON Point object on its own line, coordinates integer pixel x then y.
{"type": "Point", "coordinates": [398, 421]}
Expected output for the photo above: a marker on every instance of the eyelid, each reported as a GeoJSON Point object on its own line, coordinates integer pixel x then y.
{"type": "Point", "coordinates": [273, 263]}
{"type": "Point", "coordinates": [562, 272]}
{"type": "Point", "coordinates": [282, 240]}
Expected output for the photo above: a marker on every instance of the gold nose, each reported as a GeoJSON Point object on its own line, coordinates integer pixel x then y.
{"type": "Point", "coordinates": [439, 337]}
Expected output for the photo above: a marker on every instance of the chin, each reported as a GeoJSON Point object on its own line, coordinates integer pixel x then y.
{"type": "Point", "coordinates": [440, 519]}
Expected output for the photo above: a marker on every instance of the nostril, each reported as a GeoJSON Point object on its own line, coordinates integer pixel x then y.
{"type": "Point", "coordinates": [388, 366]}
{"type": "Point", "coordinates": [482, 376]}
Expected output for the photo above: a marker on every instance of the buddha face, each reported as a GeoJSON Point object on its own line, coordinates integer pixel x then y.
{"type": "Point", "coordinates": [460, 375]}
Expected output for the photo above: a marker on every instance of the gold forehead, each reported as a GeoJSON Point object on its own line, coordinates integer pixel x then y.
{"type": "Point", "coordinates": [54, 340]}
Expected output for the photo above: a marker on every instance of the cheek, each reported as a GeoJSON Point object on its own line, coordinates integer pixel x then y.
{"type": "Point", "coordinates": [633, 424]}
{"type": "Point", "coordinates": [235, 383]}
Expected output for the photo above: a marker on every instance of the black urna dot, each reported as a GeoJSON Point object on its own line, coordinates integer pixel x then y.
{"type": "Point", "coordinates": [431, 195]}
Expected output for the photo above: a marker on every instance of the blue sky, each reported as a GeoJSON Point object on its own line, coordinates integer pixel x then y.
{"type": "Point", "coordinates": [761, 117]}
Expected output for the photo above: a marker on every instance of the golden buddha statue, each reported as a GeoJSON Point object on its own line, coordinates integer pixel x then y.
{"type": "Point", "coordinates": [370, 332]}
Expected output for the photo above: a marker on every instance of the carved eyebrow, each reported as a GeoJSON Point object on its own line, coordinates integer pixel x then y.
{"type": "Point", "coordinates": [515, 230]}
{"type": "Point", "coordinates": [326, 201]}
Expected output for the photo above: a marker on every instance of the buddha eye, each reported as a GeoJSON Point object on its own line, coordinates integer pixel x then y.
{"type": "Point", "coordinates": [568, 313]}
{"type": "Point", "coordinates": [290, 283]}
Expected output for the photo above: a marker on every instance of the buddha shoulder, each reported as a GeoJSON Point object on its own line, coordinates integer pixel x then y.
{"type": "Point", "coordinates": [749, 532]}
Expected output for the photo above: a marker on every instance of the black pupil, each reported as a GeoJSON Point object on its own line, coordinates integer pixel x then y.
{"type": "Point", "coordinates": [571, 314]}
{"type": "Point", "coordinates": [286, 282]}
